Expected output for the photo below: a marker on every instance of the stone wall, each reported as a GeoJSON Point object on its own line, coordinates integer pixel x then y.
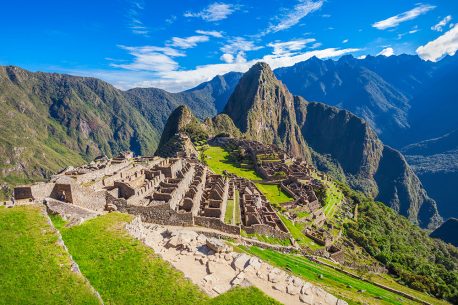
{"type": "Point", "coordinates": [267, 230]}
{"type": "Point", "coordinates": [215, 223]}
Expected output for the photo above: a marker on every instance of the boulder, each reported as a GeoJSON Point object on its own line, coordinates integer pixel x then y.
{"type": "Point", "coordinates": [298, 282]}
{"type": "Point", "coordinates": [241, 261]}
{"type": "Point", "coordinates": [275, 275]}
{"type": "Point", "coordinates": [254, 264]}
{"type": "Point", "coordinates": [330, 299]}
{"type": "Point", "coordinates": [293, 290]}
{"type": "Point", "coordinates": [280, 287]}
{"type": "Point", "coordinates": [211, 267]}
{"type": "Point", "coordinates": [341, 302]}
{"type": "Point", "coordinates": [308, 299]}
{"type": "Point", "coordinates": [306, 288]}
{"type": "Point", "coordinates": [217, 245]}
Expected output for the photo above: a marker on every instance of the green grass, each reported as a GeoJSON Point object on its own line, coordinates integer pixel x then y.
{"type": "Point", "coordinates": [125, 271]}
{"type": "Point", "coordinates": [274, 193]}
{"type": "Point", "coordinates": [267, 239]}
{"type": "Point", "coordinates": [237, 207]}
{"type": "Point", "coordinates": [332, 280]}
{"type": "Point", "coordinates": [229, 215]}
{"type": "Point", "coordinates": [34, 269]}
{"type": "Point", "coordinates": [217, 158]}
{"type": "Point", "coordinates": [296, 233]}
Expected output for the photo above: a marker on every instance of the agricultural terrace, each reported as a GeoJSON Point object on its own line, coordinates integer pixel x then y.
{"type": "Point", "coordinates": [35, 269]}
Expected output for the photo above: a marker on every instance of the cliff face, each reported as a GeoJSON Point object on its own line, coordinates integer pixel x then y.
{"type": "Point", "coordinates": [367, 163]}
{"type": "Point", "coordinates": [263, 109]}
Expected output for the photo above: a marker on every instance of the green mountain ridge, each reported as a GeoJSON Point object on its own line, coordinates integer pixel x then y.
{"type": "Point", "coordinates": [268, 113]}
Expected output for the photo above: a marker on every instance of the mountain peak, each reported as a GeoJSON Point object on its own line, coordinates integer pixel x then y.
{"type": "Point", "coordinates": [263, 108]}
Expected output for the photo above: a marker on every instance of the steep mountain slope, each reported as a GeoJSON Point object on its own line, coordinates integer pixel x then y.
{"type": "Point", "coordinates": [447, 232]}
{"type": "Point", "coordinates": [435, 161]}
{"type": "Point", "coordinates": [368, 164]}
{"type": "Point", "coordinates": [393, 93]}
{"type": "Point", "coordinates": [50, 120]}
{"type": "Point", "coordinates": [405, 100]}
{"type": "Point", "coordinates": [218, 90]}
{"type": "Point", "coordinates": [264, 110]}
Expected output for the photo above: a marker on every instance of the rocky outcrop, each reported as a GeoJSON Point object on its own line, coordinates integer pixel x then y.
{"type": "Point", "coordinates": [216, 272]}
{"type": "Point", "coordinates": [368, 164]}
{"type": "Point", "coordinates": [263, 109]}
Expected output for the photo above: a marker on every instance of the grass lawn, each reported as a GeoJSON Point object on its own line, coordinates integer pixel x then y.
{"type": "Point", "coordinates": [34, 269]}
{"type": "Point", "coordinates": [125, 271]}
{"type": "Point", "coordinates": [237, 207]}
{"type": "Point", "coordinates": [217, 159]}
{"type": "Point", "coordinates": [274, 193]}
{"type": "Point", "coordinates": [337, 283]}
{"type": "Point", "coordinates": [229, 215]}
{"type": "Point", "coordinates": [267, 239]}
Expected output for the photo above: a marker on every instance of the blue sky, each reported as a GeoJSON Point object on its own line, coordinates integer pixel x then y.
{"type": "Point", "coordinates": [178, 44]}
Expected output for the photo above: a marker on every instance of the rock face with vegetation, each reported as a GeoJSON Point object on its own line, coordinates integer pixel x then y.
{"type": "Point", "coordinates": [50, 121]}
{"type": "Point", "coordinates": [263, 109]}
{"type": "Point", "coordinates": [404, 99]}
{"type": "Point", "coordinates": [368, 164]}
{"type": "Point", "coordinates": [435, 161]}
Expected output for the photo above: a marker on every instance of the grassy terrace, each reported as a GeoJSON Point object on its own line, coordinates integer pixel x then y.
{"type": "Point", "coordinates": [217, 159]}
{"type": "Point", "coordinates": [34, 269]}
{"type": "Point", "coordinates": [296, 233]}
{"type": "Point", "coordinates": [124, 271]}
{"type": "Point", "coordinates": [337, 283]}
{"type": "Point", "coordinates": [230, 208]}
{"type": "Point", "coordinates": [274, 193]}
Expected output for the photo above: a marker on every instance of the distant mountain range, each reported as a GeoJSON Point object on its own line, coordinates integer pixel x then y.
{"type": "Point", "coordinates": [263, 109]}
{"type": "Point", "coordinates": [53, 120]}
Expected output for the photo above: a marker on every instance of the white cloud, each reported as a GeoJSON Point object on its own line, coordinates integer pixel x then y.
{"type": "Point", "coordinates": [288, 48]}
{"type": "Point", "coordinates": [394, 21]}
{"type": "Point", "coordinates": [183, 79]}
{"type": "Point", "coordinates": [133, 14]}
{"type": "Point", "coordinates": [214, 12]}
{"type": "Point", "coordinates": [292, 17]}
{"type": "Point", "coordinates": [386, 52]}
{"type": "Point", "coordinates": [345, 41]}
{"type": "Point", "coordinates": [444, 44]}
{"type": "Point", "coordinates": [227, 58]}
{"type": "Point", "coordinates": [362, 57]}
{"type": "Point", "coordinates": [150, 58]}
{"type": "Point", "coordinates": [188, 42]}
{"type": "Point", "coordinates": [236, 48]}
{"type": "Point", "coordinates": [441, 24]}
{"type": "Point", "coordinates": [216, 34]}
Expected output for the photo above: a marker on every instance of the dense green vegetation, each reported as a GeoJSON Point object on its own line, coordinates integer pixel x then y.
{"type": "Point", "coordinates": [274, 193]}
{"type": "Point", "coordinates": [124, 271]}
{"type": "Point", "coordinates": [34, 269]}
{"type": "Point", "coordinates": [353, 290]}
{"type": "Point", "coordinates": [418, 261]}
